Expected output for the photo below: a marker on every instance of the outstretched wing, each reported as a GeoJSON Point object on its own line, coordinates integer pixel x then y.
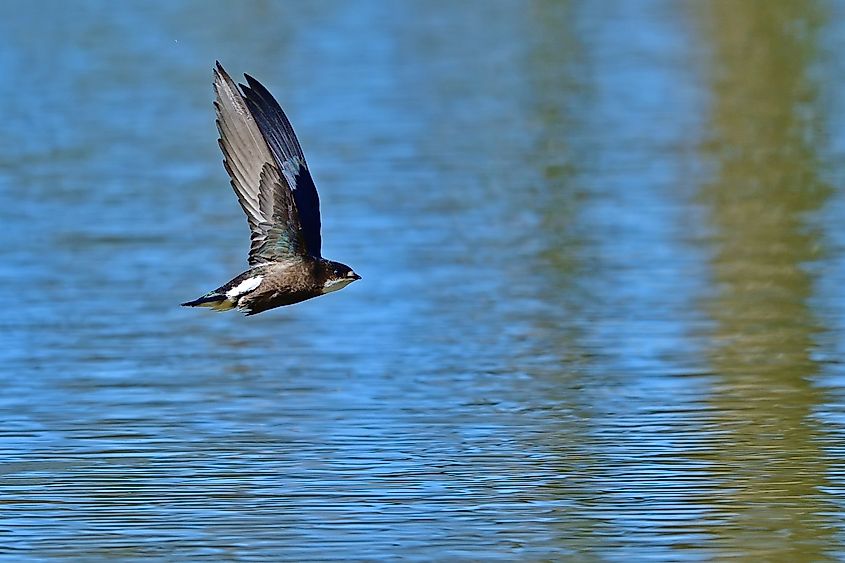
{"type": "Point", "coordinates": [284, 235]}
{"type": "Point", "coordinates": [263, 192]}
{"type": "Point", "coordinates": [278, 132]}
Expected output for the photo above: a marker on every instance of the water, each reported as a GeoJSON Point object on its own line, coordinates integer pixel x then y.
{"type": "Point", "coordinates": [601, 316]}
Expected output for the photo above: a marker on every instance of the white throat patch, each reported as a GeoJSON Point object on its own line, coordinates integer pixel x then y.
{"type": "Point", "coordinates": [334, 285]}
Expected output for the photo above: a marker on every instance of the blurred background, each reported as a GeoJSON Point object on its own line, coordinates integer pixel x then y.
{"type": "Point", "coordinates": [603, 251]}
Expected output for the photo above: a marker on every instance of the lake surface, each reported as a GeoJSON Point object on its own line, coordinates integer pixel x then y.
{"type": "Point", "coordinates": [602, 313]}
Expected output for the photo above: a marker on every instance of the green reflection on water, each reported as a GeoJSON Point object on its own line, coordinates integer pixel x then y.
{"type": "Point", "coordinates": [764, 143]}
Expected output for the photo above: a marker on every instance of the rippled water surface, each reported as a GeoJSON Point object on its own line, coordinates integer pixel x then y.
{"type": "Point", "coordinates": [602, 314]}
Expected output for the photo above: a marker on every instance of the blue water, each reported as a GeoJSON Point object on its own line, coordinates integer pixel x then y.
{"type": "Point", "coordinates": [601, 316]}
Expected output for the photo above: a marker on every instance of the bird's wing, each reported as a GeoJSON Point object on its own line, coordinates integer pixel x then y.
{"type": "Point", "coordinates": [278, 133]}
{"type": "Point", "coordinates": [284, 237]}
{"type": "Point", "coordinates": [257, 182]}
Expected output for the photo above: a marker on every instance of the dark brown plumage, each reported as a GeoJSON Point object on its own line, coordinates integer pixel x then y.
{"type": "Point", "coordinates": [274, 187]}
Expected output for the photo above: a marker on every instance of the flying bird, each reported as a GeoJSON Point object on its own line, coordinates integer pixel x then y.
{"type": "Point", "coordinates": [274, 187]}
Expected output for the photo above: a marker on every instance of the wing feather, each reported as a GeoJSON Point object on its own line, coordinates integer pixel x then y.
{"type": "Point", "coordinates": [262, 190]}
{"type": "Point", "coordinates": [279, 134]}
{"type": "Point", "coordinates": [284, 235]}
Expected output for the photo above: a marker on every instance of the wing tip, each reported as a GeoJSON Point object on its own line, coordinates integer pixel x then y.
{"type": "Point", "coordinates": [221, 77]}
{"type": "Point", "coordinates": [251, 83]}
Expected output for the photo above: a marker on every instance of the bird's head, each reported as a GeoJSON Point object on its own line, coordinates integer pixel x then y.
{"type": "Point", "coordinates": [337, 276]}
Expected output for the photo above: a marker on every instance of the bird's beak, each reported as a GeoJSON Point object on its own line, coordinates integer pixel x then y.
{"type": "Point", "coordinates": [354, 276]}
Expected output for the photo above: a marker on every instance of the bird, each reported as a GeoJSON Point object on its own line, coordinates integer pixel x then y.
{"type": "Point", "coordinates": [277, 193]}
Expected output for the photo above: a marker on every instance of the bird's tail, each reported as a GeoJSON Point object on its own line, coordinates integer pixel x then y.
{"type": "Point", "coordinates": [213, 300]}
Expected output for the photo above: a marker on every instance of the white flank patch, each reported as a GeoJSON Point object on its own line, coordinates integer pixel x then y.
{"type": "Point", "coordinates": [244, 287]}
{"type": "Point", "coordinates": [334, 285]}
